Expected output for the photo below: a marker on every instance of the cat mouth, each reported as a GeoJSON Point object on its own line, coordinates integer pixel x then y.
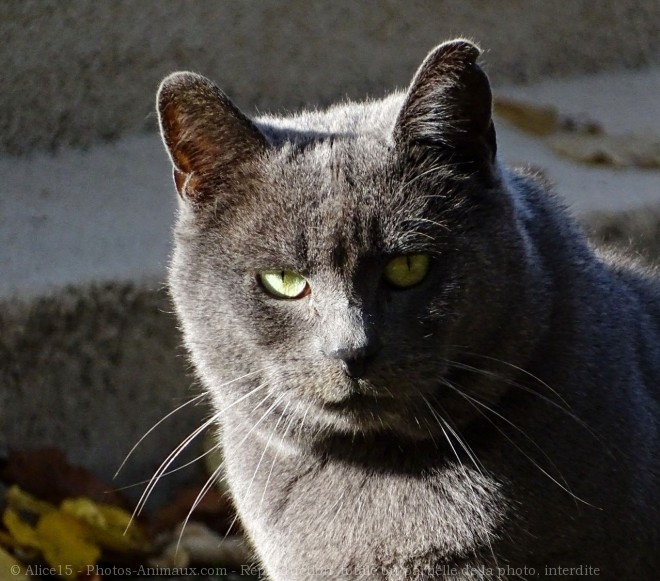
{"type": "Point", "coordinates": [358, 394]}
{"type": "Point", "coordinates": [361, 410]}
{"type": "Point", "coordinates": [353, 402]}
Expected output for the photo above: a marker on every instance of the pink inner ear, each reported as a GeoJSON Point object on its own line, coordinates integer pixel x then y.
{"type": "Point", "coordinates": [209, 140]}
{"type": "Point", "coordinates": [181, 159]}
{"type": "Point", "coordinates": [188, 157]}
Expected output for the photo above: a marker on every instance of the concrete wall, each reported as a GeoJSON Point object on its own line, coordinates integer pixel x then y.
{"type": "Point", "coordinates": [76, 71]}
{"type": "Point", "coordinates": [90, 370]}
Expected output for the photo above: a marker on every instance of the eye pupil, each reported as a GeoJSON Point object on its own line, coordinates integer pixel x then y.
{"type": "Point", "coordinates": [284, 284]}
{"type": "Point", "coordinates": [407, 271]}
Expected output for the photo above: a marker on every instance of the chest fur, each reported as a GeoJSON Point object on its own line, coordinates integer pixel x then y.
{"type": "Point", "coordinates": [349, 522]}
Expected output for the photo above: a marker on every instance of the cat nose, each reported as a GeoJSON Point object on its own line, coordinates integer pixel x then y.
{"type": "Point", "coordinates": [354, 360]}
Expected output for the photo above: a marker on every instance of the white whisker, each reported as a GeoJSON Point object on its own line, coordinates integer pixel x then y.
{"type": "Point", "coordinates": [210, 481]}
{"type": "Point", "coordinates": [162, 469]}
{"type": "Point", "coordinates": [150, 430]}
{"type": "Point", "coordinates": [263, 453]}
{"type": "Point", "coordinates": [169, 472]}
{"type": "Point", "coordinates": [475, 402]}
{"type": "Point", "coordinates": [277, 452]}
{"type": "Point", "coordinates": [165, 465]}
{"type": "Point", "coordinates": [477, 464]}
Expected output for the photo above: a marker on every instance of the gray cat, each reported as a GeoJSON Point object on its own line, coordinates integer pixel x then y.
{"type": "Point", "coordinates": [420, 368]}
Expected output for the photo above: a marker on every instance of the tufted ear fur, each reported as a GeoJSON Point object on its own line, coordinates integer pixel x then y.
{"type": "Point", "coordinates": [210, 141]}
{"type": "Point", "coordinates": [448, 106]}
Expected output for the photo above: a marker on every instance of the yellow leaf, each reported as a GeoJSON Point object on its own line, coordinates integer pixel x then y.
{"type": "Point", "coordinates": [12, 566]}
{"type": "Point", "coordinates": [6, 540]}
{"type": "Point", "coordinates": [84, 509]}
{"type": "Point", "coordinates": [70, 538]}
{"type": "Point", "coordinates": [21, 532]}
{"type": "Point", "coordinates": [66, 543]}
{"type": "Point", "coordinates": [108, 524]}
{"type": "Point", "coordinates": [23, 502]}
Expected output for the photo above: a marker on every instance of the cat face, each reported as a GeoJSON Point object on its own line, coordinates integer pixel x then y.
{"type": "Point", "coordinates": [338, 270]}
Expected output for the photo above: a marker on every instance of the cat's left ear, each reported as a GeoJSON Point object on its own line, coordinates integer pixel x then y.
{"type": "Point", "coordinates": [211, 143]}
{"type": "Point", "coordinates": [448, 106]}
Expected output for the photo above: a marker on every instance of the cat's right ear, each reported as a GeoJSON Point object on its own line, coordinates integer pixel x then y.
{"type": "Point", "coordinates": [448, 107]}
{"type": "Point", "coordinates": [210, 141]}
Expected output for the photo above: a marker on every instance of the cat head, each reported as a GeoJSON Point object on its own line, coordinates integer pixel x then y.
{"type": "Point", "coordinates": [339, 271]}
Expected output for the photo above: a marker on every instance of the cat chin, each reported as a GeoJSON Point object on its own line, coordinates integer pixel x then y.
{"type": "Point", "coordinates": [367, 421]}
{"type": "Point", "coordinates": [397, 429]}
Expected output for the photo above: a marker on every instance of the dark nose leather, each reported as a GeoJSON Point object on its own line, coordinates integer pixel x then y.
{"type": "Point", "coordinates": [354, 361]}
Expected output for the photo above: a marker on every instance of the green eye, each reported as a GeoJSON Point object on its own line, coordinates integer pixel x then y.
{"type": "Point", "coordinates": [406, 271]}
{"type": "Point", "coordinates": [284, 284]}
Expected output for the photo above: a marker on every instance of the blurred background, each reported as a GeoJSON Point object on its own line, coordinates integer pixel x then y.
{"type": "Point", "coordinates": [89, 351]}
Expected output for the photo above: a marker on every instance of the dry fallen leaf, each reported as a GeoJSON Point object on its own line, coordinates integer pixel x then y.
{"type": "Point", "coordinates": [46, 474]}
{"type": "Point", "coordinates": [579, 138]}
{"type": "Point", "coordinates": [22, 534]}
{"type": "Point", "coordinates": [22, 501]}
{"type": "Point", "coordinates": [531, 118]}
{"type": "Point", "coordinates": [109, 525]}
{"type": "Point", "coordinates": [10, 565]}
{"type": "Point", "coordinates": [66, 543]}
{"type": "Point", "coordinates": [641, 151]}
{"type": "Point", "coordinates": [74, 535]}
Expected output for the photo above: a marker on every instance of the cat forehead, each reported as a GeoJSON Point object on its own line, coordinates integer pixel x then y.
{"type": "Point", "coordinates": [333, 199]}
{"type": "Point", "coordinates": [330, 164]}
{"type": "Point", "coordinates": [341, 191]}
{"type": "Point", "coordinates": [322, 180]}
{"type": "Point", "coordinates": [327, 187]}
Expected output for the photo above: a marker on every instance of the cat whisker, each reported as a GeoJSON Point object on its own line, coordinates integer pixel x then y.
{"type": "Point", "coordinates": [442, 422]}
{"type": "Point", "coordinates": [246, 395]}
{"type": "Point", "coordinates": [169, 472]}
{"type": "Point", "coordinates": [510, 382]}
{"type": "Point", "coordinates": [567, 409]}
{"type": "Point", "coordinates": [218, 471]}
{"type": "Point", "coordinates": [170, 414]}
{"type": "Point", "coordinates": [276, 455]}
{"type": "Point", "coordinates": [521, 370]}
{"type": "Point", "coordinates": [210, 481]}
{"type": "Point", "coordinates": [254, 409]}
{"type": "Point", "coordinates": [430, 433]}
{"type": "Point", "coordinates": [165, 465]}
{"type": "Point", "coordinates": [267, 445]}
{"type": "Point", "coordinates": [152, 428]}
{"type": "Point", "coordinates": [162, 469]}
{"type": "Point", "coordinates": [477, 404]}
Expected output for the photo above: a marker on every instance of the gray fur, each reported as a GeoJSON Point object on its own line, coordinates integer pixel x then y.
{"type": "Point", "coordinates": [508, 414]}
